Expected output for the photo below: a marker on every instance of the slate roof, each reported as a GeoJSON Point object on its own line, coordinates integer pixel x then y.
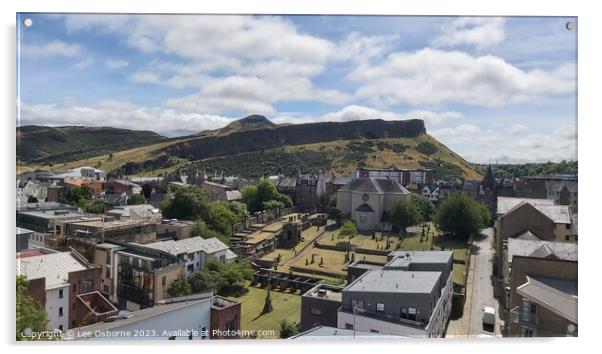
{"type": "Point", "coordinates": [189, 245]}
{"type": "Point", "coordinates": [374, 185]}
{"type": "Point", "coordinates": [55, 267]}
{"type": "Point", "coordinates": [505, 204]}
{"type": "Point", "coordinates": [542, 249]}
{"type": "Point", "coordinates": [557, 295]}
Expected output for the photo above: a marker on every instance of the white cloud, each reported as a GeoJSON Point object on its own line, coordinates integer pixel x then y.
{"type": "Point", "coordinates": [145, 77]}
{"type": "Point", "coordinates": [249, 95]}
{"type": "Point", "coordinates": [239, 63]}
{"type": "Point", "coordinates": [359, 48]}
{"type": "Point", "coordinates": [115, 64]}
{"type": "Point", "coordinates": [509, 146]}
{"type": "Point", "coordinates": [517, 129]}
{"type": "Point", "coordinates": [355, 112]}
{"type": "Point", "coordinates": [480, 32]}
{"type": "Point", "coordinates": [432, 76]}
{"type": "Point", "coordinates": [83, 64]}
{"type": "Point", "coordinates": [50, 49]}
{"type": "Point", "coordinates": [120, 114]}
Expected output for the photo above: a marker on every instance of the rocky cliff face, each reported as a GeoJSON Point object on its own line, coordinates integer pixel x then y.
{"type": "Point", "coordinates": [300, 134]}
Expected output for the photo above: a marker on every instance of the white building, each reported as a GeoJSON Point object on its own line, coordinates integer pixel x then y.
{"type": "Point", "coordinates": [195, 251]}
{"type": "Point", "coordinates": [55, 269]}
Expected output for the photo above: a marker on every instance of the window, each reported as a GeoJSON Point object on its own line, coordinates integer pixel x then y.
{"type": "Point", "coordinates": [163, 280]}
{"type": "Point", "coordinates": [315, 311]}
{"type": "Point", "coordinates": [60, 327]}
{"type": "Point", "coordinates": [404, 312]}
{"type": "Point", "coordinates": [108, 258]}
{"type": "Point", "coordinates": [348, 326]}
{"type": "Point", "coordinates": [567, 238]}
{"type": "Point", "coordinates": [357, 304]}
{"type": "Point", "coordinates": [60, 312]}
{"type": "Point", "coordinates": [60, 293]}
{"type": "Point", "coordinates": [374, 331]}
{"type": "Point", "coordinates": [380, 307]}
{"type": "Point", "coordinates": [527, 332]}
{"type": "Point", "coordinates": [412, 313]}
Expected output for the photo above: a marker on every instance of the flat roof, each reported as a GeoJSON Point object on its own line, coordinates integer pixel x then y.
{"type": "Point", "coordinates": [136, 316]}
{"type": "Point", "coordinates": [422, 256]}
{"type": "Point", "coordinates": [395, 281]}
{"type": "Point", "coordinates": [325, 332]}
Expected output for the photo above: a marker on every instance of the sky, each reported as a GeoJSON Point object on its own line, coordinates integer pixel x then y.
{"type": "Point", "coordinates": [495, 90]}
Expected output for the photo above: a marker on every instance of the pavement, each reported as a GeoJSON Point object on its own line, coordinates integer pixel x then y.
{"type": "Point", "coordinates": [479, 291]}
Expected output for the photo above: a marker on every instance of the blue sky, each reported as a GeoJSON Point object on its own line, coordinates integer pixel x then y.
{"type": "Point", "coordinates": [493, 89]}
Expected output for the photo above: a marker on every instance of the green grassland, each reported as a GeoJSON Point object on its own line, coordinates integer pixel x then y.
{"type": "Point", "coordinates": [285, 306]}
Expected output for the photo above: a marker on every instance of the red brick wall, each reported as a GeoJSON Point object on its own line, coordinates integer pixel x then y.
{"type": "Point", "coordinates": [220, 318]}
{"type": "Point", "coordinates": [76, 282]}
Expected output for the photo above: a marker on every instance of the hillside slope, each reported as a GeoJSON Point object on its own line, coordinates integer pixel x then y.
{"type": "Point", "coordinates": [40, 145]}
{"type": "Point", "coordinates": [254, 148]}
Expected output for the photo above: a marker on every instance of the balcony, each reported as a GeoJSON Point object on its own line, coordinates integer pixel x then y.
{"type": "Point", "coordinates": [523, 318]}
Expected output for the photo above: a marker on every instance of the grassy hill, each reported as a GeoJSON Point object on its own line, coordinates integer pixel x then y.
{"type": "Point", "coordinates": [254, 147]}
{"type": "Point", "coordinates": [43, 145]}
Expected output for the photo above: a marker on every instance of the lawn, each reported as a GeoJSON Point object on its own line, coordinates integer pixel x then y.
{"type": "Point", "coordinates": [361, 241]}
{"type": "Point", "coordinates": [332, 261]}
{"type": "Point", "coordinates": [458, 274]}
{"type": "Point", "coordinates": [285, 306]}
{"type": "Point", "coordinates": [309, 235]}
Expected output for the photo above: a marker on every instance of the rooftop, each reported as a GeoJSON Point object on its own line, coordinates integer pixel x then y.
{"type": "Point", "coordinates": [162, 307]}
{"type": "Point", "coordinates": [324, 332]}
{"type": "Point", "coordinates": [542, 249]}
{"type": "Point", "coordinates": [395, 281]}
{"type": "Point", "coordinates": [189, 245]}
{"type": "Point", "coordinates": [557, 295]}
{"type": "Point", "coordinates": [423, 256]}
{"type": "Point", "coordinates": [559, 214]}
{"type": "Point", "coordinates": [374, 185]}
{"type": "Point", "coordinates": [55, 267]}
{"type": "Point", "coordinates": [504, 204]}
{"type": "Point", "coordinates": [328, 292]}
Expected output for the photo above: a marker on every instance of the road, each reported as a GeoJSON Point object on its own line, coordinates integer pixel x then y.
{"type": "Point", "coordinates": [479, 290]}
{"type": "Point", "coordinates": [482, 285]}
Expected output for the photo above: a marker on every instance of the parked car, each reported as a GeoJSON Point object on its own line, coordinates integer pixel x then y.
{"type": "Point", "coordinates": [488, 318]}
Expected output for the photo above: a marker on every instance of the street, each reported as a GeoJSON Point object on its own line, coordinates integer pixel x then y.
{"type": "Point", "coordinates": [479, 290]}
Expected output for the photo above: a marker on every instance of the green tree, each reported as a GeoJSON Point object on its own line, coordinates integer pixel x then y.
{"type": "Point", "coordinates": [200, 228]}
{"type": "Point", "coordinates": [461, 215]}
{"type": "Point", "coordinates": [188, 203]}
{"type": "Point", "coordinates": [220, 218]}
{"type": "Point", "coordinates": [179, 287]}
{"type": "Point", "coordinates": [264, 196]}
{"type": "Point", "coordinates": [136, 199]}
{"type": "Point", "coordinates": [96, 206]}
{"type": "Point", "coordinates": [288, 329]}
{"type": "Point", "coordinates": [348, 229]}
{"type": "Point", "coordinates": [403, 214]}
{"type": "Point", "coordinates": [425, 207]}
{"type": "Point", "coordinates": [30, 315]}
{"type": "Point", "coordinates": [239, 209]}
{"type": "Point", "coordinates": [78, 195]}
